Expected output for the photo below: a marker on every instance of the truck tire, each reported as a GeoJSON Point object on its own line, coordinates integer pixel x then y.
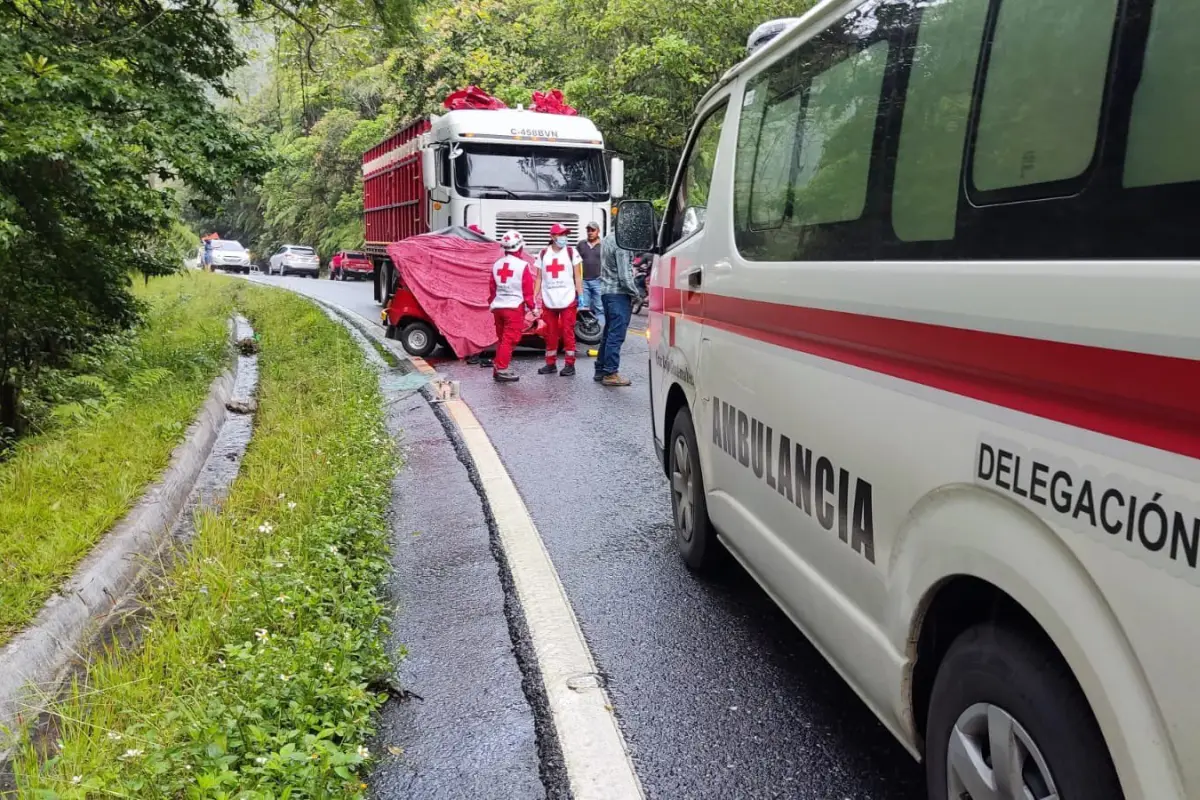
{"type": "Point", "coordinates": [695, 535]}
{"type": "Point", "coordinates": [998, 679]}
{"type": "Point", "coordinates": [419, 338]}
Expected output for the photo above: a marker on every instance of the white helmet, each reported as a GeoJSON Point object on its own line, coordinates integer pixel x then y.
{"type": "Point", "coordinates": [512, 241]}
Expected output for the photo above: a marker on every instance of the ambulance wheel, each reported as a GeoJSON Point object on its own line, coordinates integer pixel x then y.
{"type": "Point", "coordinates": [1002, 697]}
{"type": "Point", "coordinates": [418, 338]}
{"type": "Point", "coordinates": [694, 534]}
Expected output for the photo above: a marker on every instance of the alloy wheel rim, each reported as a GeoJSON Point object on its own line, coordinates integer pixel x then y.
{"type": "Point", "coordinates": [418, 339]}
{"type": "Point", "coordinates": [990, 756]}
{"type": "Point", "coordinates": [681, 489]}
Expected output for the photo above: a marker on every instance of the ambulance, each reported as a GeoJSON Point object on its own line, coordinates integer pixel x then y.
{"type": "Point", "coordinates": [925, 360]}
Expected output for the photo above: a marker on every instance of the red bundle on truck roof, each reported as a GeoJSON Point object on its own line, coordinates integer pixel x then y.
{"type": "Point", "coordinates": [472, 97]}
{"type": "Point", "coordinates": [552, 102]}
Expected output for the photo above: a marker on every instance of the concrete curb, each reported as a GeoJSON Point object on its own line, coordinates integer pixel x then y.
{"type": "Point", "coordinates": [34, 664]}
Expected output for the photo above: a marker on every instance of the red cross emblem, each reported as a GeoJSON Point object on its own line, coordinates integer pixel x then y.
{"type": "Point", "coordinates": [505, 272]}
{"type": "Point", "coordinates": [555, 269]}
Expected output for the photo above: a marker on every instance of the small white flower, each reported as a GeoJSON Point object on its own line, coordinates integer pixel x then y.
{"type": "Point", "coordinates": [328, 667]}
{"type": "Point", "coordinates": [283, 598]}
{"type": "Point", "coordinates": [261, 634]}
{"type": "Point", "coordinates": [278, 565]}
{"type": "Point", "coordinates": [285, 678]}
{"type": "Point", "coordinates": [266, 527]}
{"type": "Point", "coordinates": [203, 590]}
{"type": "Point", "coordinates": [78, 779]}
{"type": "Point", "coordinates": [363, 752]}
{"type": "Point", "coordinates": [289, 614]}
{"type": "Point", "coordinates": [131, 753]}
{"type": "Point", "coordinates": [261, 760]}
{"type": "Point", "coordinates": [116, 737]}
{"type": "Point", "coordinates": [282, 495]}
{"type": "Point", "coordinates": [291, 506]}
{"type": "Point", "coordinates": [333, 549]}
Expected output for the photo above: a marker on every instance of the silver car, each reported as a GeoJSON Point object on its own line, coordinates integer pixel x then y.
{"type": "Point", "coordinates": [229, 255]}
{"type": "Point", "coordinates": [294, 259]}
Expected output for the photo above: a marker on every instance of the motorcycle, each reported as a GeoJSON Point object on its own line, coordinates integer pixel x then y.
{"type": "Point", "coordinates": [641, 274]}
{"type": "Point", "coordinates": [587, 327]}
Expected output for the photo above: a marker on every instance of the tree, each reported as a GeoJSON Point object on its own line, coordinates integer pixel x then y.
{"type": "Point", "coordinates": [102, 102]}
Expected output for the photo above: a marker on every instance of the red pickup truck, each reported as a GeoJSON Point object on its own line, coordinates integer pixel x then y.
{"type": "Point", "coordinates": [350, 264]}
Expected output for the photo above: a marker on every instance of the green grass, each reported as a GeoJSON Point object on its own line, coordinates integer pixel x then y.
{"type": "Point", "coordinates": [252, 677]}
{"type": "Point", "coordinates": [63, 489]}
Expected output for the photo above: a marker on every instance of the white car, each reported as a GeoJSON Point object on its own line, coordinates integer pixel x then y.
{"type": "Point", "coordinates": [229, 255]}
{"type": "Point", "coordinates": [925, 359]}
{"type": "Point", "coordinates": [294, 259]}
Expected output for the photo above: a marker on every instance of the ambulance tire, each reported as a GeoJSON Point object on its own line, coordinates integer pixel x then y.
{"type": "Point", "coordinates": [694, 533]}
{"type": "Point", "coordinates": [418, 338]}
{"type": "Point", "coordinates": [993, 675]}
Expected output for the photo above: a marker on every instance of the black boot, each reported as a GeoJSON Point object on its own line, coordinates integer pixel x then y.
{"type": "Point", "coordinates": [568, 371]}
{"type": "Point", "coordinates": [485, 361]}
{"type": "Point", "coordinates": [505, 376]}
{"type": "Point", "coordinates": [549, 369]}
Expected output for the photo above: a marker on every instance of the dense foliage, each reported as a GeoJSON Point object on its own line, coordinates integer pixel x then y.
{"type": "Point", "coordinates": [636, 67]}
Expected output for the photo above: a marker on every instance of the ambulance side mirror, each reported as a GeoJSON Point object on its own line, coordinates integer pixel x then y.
{"type": "Point", "coordinates": [634, 227]}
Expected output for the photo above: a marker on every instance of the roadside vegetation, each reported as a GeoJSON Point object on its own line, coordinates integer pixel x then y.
{"type": "Point", "coordinates": [253, 675]}
{"type": "Point", "coordinates": [109, 422]}
{"type": "Point", "coordinates": [322, 94]}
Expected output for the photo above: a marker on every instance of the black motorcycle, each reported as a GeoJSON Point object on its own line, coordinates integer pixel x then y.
{"type": "Point", "coordinates": [587, 327]}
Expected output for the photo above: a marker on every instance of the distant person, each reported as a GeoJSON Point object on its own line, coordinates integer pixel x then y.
{"type": "Point", "coordinates": [511, 294]}
{"type": "Point", "coordinates": [208, 254]}
{"type": "Point", "coordinates": [559, 281]}
{"type": "Point", "coordinates": [589, 251]}
{"type": "Point", "coordinates": [617, 290]}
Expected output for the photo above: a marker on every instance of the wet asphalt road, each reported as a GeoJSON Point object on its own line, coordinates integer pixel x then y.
{"type": "Point", "coordinates": [718, 695]}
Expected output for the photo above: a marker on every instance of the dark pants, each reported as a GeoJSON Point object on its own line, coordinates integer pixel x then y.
{"type": "Point", "coordinates": [617, 311]}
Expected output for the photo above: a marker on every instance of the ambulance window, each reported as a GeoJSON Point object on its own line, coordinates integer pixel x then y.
{"type": "Point", "coordinates": [1165, 125]}
{"type": "Point", "coordinates": [1040, 113]}
{"type": "Point", "coordinates": [834, 161]}
{"type": "Point", "coordinates": [773, 161]}
{"type": "Point", "coordinates": [689, 206]}
{"type": "Point", "coordinates": [937, 108]}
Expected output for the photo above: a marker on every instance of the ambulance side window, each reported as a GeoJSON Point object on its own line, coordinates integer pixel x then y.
{"type": "Point", "coordinates": [686, 212]}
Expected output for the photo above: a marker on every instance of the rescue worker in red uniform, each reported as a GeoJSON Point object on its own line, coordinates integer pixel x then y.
{"type": "Point", "coordinates": [510, 296]}
{"type": "Point", "coordinates": [560, 282]}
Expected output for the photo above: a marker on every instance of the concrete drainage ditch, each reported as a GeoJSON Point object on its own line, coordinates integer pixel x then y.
{"type": "Point", "coordinates": [103, 590]}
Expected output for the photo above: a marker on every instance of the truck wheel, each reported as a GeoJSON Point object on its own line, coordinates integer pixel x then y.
{"type": "Point", "coordinates": [694, 532]}
{"type": "Point", "coordinates": [418, 338]}
{"type": "Point", "coordinates": [1008, 721]}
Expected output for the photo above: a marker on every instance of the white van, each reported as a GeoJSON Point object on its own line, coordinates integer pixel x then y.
{"type": "Point", "coordinates": [925, 341]}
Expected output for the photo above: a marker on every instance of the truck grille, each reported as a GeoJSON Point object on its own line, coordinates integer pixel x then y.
{"type": "Point", "coordinates": [536, 230]}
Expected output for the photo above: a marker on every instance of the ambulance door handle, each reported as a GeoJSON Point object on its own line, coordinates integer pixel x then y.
{"type": "Point", "coordinates": [694, 276]}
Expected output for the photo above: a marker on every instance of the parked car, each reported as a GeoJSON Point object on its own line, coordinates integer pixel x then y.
{"type": "Point", "coordinates": [230, 256]}
{"type": "Point", "coordinates": [294, 259]}
{"type": "Point", "coordinates": [350, 265]}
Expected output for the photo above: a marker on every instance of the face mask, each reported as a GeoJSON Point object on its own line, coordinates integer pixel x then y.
{"type": "Point", "coordinates": [560, 241]}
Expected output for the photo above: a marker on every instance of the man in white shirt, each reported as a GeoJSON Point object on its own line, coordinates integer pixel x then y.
{"type": "Point", "coordinates": [559, 281]}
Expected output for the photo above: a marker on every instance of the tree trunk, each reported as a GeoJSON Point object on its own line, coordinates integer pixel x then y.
{"type": "Point", "coordinates": [10, 416]}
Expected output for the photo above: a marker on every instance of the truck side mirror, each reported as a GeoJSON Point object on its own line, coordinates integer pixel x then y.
{"type": "Point", "coordinates": [429, 168]}
{"type": "Point", "coordinates": [617, 179]}
{"type": "Point", "coordinates": [634, 227]}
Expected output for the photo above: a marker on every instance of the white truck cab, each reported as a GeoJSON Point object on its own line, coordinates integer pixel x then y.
{"type": "Point", "coordinates": [925, 359]}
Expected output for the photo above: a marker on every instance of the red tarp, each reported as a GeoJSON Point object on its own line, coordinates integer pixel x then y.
{"type": "Point", "coordinates": [450, 277]}
{"type": "Point", "coordinates": [552, 102]}
{"type": "Point", "coordinates": [472, 97]}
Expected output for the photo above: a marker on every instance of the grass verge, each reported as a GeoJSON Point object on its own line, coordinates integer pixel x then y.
{"type": "Point", "coordinates": [252, 676]}
{"type": "Point", "coordinates": [114, 429]}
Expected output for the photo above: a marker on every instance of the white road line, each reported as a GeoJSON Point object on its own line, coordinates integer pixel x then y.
{"type": "Point", "coordinates": [597, 761]}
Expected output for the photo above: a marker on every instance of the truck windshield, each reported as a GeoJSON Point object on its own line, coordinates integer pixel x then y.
{"type": "Point", "coordinates": [530, 172]}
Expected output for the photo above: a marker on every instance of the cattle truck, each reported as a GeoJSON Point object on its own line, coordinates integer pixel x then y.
{"type": "Point", "coordinates": [498, 170]}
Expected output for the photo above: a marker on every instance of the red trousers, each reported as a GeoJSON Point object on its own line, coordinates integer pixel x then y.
{"type": "Point", "coordinates": [510, 323]}
{"type": "Point", "coordinates": [560, 322]}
